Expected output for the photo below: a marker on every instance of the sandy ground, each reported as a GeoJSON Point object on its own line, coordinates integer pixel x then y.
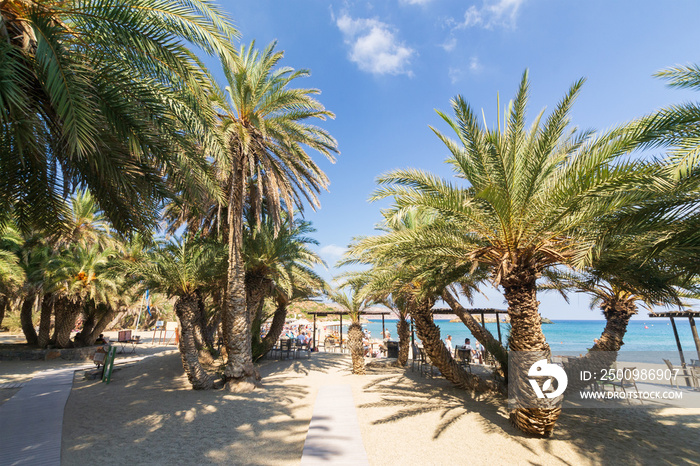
{"type": "Point", "coordinates": [148, 415]}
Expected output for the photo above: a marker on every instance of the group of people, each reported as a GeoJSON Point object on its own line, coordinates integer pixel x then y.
{"type": "Point", "coordinates": [476, 351]}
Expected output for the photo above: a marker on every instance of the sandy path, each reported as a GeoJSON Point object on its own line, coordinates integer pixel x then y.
{"type": "Point", "coordinates": [148, 415]}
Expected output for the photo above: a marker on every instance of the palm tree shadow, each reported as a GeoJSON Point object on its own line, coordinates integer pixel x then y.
{"type": "Point", "coordinates": [411, 397]}
{"type": "Point", "coordinates": [317, 362]}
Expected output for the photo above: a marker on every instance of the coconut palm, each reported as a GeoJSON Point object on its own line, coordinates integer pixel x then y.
{"type": "Point", "coordinates": [182, 270]}
{"type": "Point", "coordinates": [105, 94]}
{"type": "Point", "coordinates": [526, 191]}
{"type": "Point", "coordinates": [264, 123]}
{"type": "Point", "coordinates": [352, 303]}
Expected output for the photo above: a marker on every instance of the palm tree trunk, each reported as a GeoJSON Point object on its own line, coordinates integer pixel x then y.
{"type": "Point", "coordinates": [439, 355]}
{"type": "Point", "coordinates": [66, 314]}
{"type": "Point", "coordinates": [275, 331]}
{"type": "Point", "coordinates": [240, 375]}
{"type": "Point", "coordinates": [520, 290]}
{"type": "Point", "coordinates": [355, 345]}
{"type": "Point", "coordinates": [45, 320]}
{"type": "Point", "coordinates": [404, 331]}
{"type": "Point", "coordinates": [482, 335]}
{"type": "Point", "coordinates": [256, 290]}
{"type": "Point", "coordinates": [102, 323]}
{"type": "Point", "coordinates": [187, 308]}
{"type": "Point", "coordinates": [26, 321]}
{"type": "Point", "coordinates": [4, 302]}
{"type": "Point", "coordinates": [603, 354]}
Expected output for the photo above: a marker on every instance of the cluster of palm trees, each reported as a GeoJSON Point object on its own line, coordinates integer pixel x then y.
{"type": "Point", "coordinates": [539, 207]}
{"type": "Point", "coordinates": [106, 100]}
{"type": "Point", "coordinates": [110, 97]}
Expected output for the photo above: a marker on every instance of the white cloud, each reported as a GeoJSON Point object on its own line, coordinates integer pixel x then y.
{"type": "Point", "coordinates": [475, 65]}
{"type": "Point", "coordinates": [449, 44]}
{"type": "Point", "coordinates": [493, 13]}
{"type": "Point", "coordinates": [414, 2]}
{"type": "Point", "coordinates": [374, 46]}
{"type": "Point", "coordinates": [456, 74]}
{"type": "Point", "coordinates": [332, 251]}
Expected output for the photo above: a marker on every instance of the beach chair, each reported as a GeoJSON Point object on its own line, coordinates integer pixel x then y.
{"type": "Point", "coordinates": [627, 381]}
{"type": "Point", "coordinates": [464, 358]}
{"type": "Point", "coordinates": [285, 348]}
{"type": "Point", "coordinates": [417, 359]}
{"type": "Point", "coordinates": [684, 372]}
{"type": "Point", "coordinates": [674, 376]}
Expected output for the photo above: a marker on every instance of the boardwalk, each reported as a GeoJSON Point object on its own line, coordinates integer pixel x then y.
{"type": "Point", "coordinates": [32, 420]}
{"type": "Point", "coordinates": [334, 432]}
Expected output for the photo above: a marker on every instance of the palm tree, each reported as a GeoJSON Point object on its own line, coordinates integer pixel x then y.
{"type": "Point", "coordinates": [526, 192]}
{"type": "Point", "coordinates": [417, 283]}
{"type": "Point", "coordinates": [183, 271]}
{"type": "Point", "coordinates": [12, 275]}
{"type": "Point", "coordinates": [75, 277]}
{"type": "Point", "coordinates": [279, 266]}
{"type": "Point", "coordinates": [266, 135]}
{"type": "Point", "coordinates": [353, 304]}
{"type": "Point", "coordinates": [105, 94]}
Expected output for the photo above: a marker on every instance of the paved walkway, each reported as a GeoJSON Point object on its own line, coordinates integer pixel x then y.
{"type": "Point", "coordinates": [334, 432]}
{"type": "Point", "coordinates": [32, 420]}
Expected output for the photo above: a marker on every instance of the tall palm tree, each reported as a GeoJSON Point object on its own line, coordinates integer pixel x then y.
{"type": "Point", "coordinates": [353, 304]}
{"type": "Point", "coordinates": [184, 271]}
{"type": "Point", "coordinates": [105, 94]}
{"type": "Point", "coordinates": [526, 191]}
{"type": "Point", "coordinates": [279, 266]}
{"type": "Point", "coordinates": [264, 122]}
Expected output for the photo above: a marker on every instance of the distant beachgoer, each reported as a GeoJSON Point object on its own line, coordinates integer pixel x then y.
{"type": "Point", "coordinates": [448, 343]}
{"type": "Point", "coordinates": [387, 335]}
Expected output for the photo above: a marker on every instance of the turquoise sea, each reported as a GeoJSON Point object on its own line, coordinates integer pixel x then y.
{"type": "Point", "coordinates": [574, 337]}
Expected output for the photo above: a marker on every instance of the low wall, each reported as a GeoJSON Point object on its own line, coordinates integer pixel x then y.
{"type": "Point", "coordinates": [69, 354]}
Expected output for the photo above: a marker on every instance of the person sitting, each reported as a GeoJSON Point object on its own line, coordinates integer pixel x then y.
{"type": "Point", "coordinates": [301, 339]}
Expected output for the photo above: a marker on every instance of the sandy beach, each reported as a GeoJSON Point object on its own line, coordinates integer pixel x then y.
{"type": "Point", "coordinates": [148, 415]}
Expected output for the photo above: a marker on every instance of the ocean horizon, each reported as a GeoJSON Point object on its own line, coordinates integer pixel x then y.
{"type": "Point", "coordinates": [574, 337]}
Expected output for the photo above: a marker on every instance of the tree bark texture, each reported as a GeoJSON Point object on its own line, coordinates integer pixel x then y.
{"type": "Point", "coordinates": [45, 320]}
{"type": "Point", "coordinates": [355, 346]}
{"type": "Point", "coordinates": [106, 314]}
{"type": "Point", "coordinates": [240, 375]}
{"type": "Point", "coordinates": [617, 312]}
{"type": "Point", "coordinates": [520, 290]}
{"type": "Point", "coordinates": [435, 349]}
{"type": "Point", "coordinates": [276, 327]}
{"type": "Point", "coordinates": [4, 303]}
{"type": "Point", "coordinates": [26, 321]}
{"type": "Point", "coordinates": [67, 312]}
{"type": "Point", "coordinates": [187, 310]}
{"type": "Point", "coordinates": [403, 329]}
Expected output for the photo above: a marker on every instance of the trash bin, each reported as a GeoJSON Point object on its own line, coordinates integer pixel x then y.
{"type": "Point", "coordinates": [392, 349]}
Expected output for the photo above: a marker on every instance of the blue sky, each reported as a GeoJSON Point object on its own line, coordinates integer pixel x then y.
{"type": "Point", "coordinates": [384, 67]}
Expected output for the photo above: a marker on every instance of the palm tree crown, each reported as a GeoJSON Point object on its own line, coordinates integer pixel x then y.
{"type": "Point", "coordinates": [104, 94]}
